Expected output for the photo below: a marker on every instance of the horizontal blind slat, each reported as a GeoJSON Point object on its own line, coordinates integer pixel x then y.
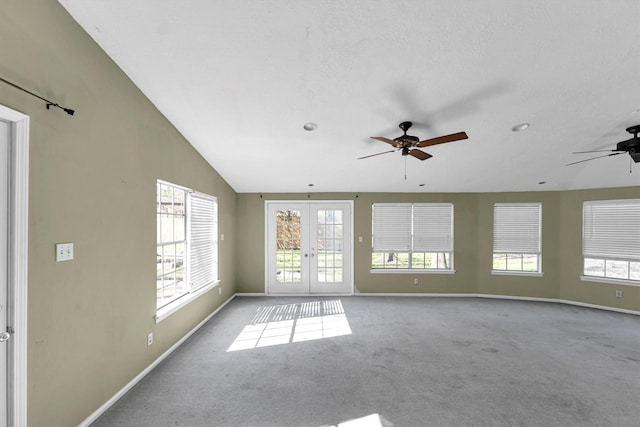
{"type": "Point", "coordinates": [203, 253]}
{"type": "Point", "coordinates": [391, 227]}
{"type": "Point", "coordinates": [516, 228]}
{"type": "Point", "coordinates": [611, 229]}
{"type": "Point", "coordinates": [432, 227]}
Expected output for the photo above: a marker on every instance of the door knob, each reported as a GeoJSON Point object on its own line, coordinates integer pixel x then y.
{"type": "Point", "coordinates": [5, 336]}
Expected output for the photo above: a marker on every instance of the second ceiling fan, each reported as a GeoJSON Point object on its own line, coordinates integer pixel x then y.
{"type": "Point", "coordinates": [409, 144]}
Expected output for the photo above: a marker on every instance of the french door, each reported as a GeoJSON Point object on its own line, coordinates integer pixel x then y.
{"type": "Point", "coordinates": [309, 247]}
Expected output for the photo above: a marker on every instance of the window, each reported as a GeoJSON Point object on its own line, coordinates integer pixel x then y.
{"type": "Point", "coordinates": [611, 239]}
{"type": "Point", "coordinates": [412, 236]}
{"type": "Point", "coordinates": [187, 254]}
{"type": "Point", "coordinates": [516, 237]}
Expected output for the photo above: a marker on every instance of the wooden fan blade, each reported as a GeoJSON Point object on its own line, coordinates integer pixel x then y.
{"type": "Point", "coordinates": [593, 158]}
{"type": "Point", "coordinates": [442, 139]}
{"type": "Point", "coordinates": [419, 154]}
{"type": "Point", "coordinates": [372, 155]}
{"type": "Point", "coordinates": [387, 140]}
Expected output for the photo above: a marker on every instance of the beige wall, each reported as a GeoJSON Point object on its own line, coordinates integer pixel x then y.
{"type": "Point", "coordinates": [473, 247]}
{"type": "Point", "coordinates": [92, 182]}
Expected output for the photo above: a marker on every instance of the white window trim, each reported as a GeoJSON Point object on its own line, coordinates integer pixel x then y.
{"type": "Point", "coordinates": [517, 273]}
{"type": "Point", "coordinates": [167, 310]}
{"type": "Point", "coordinates": [605, 257]}
{"type": "Point", "coordinates": [176, 305]}
{"type": "Point", "coordinates": [411, 271]}
{"type": "Point", "coordinates": [410, 251]}
{"type": "Point", "coordinates": [537, 273]}
{"type": "Point", "coordinates": [599, 279]}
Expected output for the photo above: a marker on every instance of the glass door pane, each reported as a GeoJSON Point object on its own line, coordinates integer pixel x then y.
{"type": "Point", "coordinates": [288, 239]}
{"type": "Point", "coordinates": [330, 251]}
{"type": "Point", "coordinates": [287, 248]}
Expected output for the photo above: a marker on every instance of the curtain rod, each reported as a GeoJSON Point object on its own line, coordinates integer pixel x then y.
{"type": "Point", "coordinates": [69, 111]}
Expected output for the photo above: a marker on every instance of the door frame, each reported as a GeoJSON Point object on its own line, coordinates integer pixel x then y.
{"type": "Point", "coordinates": [350, 238]}
{"type": "Point", "coordinates": [17, 263]}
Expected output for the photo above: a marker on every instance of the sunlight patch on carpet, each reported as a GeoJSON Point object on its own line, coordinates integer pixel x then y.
{"type": "Point", "coordinates": [288, 323]}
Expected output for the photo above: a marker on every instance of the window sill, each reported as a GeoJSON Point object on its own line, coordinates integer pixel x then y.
{"type": "Point", "coordinates": [176, 305]}
{"type": "Point", "coordinates": [610, 280]}
{"type": "Point", "coordinates": [517, 273]}
{"type": "Point", "coordinates": [410, 271]}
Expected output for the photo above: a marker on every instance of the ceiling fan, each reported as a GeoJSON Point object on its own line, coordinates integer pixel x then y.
{"type": "Point", "coordinates": [631, 146]}
{"type": "Point", "coordinates": [408, 144]}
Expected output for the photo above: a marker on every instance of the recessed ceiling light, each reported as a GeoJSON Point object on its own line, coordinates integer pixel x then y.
{"type": "Point", "coordinates": [310, 126]}
{"type": "Point", "coordinates": [519, 127]}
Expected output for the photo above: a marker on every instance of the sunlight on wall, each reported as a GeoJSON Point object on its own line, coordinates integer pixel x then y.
{"type": "Point", "coordinates": [283, 324]}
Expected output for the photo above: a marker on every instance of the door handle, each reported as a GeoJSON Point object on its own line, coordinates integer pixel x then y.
{"type": "Point", "coordinates": [5, 336]}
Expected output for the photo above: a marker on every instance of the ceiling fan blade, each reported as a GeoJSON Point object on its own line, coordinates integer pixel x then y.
{"type": "Point", "coordinates": [442, 139]}
{"type": "Point", "coordinates": [597, 151]}
{"type": "Point", "coordinates": [419, 154]}
{"type": "Point", "coordinates": [387, 140]}
{"type": "Point", "coordinates": [593, 158]}
{"type": "Point", "coordinates": [372, 155]}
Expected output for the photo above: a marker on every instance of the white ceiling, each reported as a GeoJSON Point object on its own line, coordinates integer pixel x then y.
{"type": "Point", "coordinates": [240, 78]}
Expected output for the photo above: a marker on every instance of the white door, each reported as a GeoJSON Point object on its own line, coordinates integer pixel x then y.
{"type": "Point", "coordinates": [309, 247]}
{"type": "Point", "coordinates": [4, 336]}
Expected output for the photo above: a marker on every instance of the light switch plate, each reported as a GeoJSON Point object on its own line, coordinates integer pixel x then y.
{"type": "Point", "coordinates": [64, 252]}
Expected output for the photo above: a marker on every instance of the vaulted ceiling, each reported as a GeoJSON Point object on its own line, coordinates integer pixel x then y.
{"type": "Point", "coordinates": [239, 79]}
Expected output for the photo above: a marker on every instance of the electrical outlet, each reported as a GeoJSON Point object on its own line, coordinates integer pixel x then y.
{"type": "Point", "coordinates": [618, 294]}
{"type": "Point", "coordinates": [150, 339]}
{"type": "Point", "coordinates": [359, 239]}
{"type": "Point", "coordinates": [415, 281]}
{"type": "Point", "coordinates": [219, 290]}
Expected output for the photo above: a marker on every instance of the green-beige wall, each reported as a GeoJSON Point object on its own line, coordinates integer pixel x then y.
{"type": "Point", "coordinates": [93, 182]}
{"type": "Point", "coordinates": [473, 246]}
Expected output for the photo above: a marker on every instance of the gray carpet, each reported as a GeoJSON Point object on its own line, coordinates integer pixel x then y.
{"type": "Point", "coordinates": [413, 361]}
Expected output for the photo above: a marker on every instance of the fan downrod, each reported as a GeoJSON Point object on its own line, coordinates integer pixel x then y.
{"type": "Point", "coordinates": [634, 130]}
{"type": "Point", "coordinates": [405, 126]}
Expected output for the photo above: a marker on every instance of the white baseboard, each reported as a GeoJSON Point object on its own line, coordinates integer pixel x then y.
{"type": "Point", "coordinates": [508, 297]}
{"type": "Point", "coordinates": [102, 409]}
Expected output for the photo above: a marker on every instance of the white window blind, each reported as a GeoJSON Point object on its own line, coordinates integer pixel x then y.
{"type": "Point", "coordinates": [516, 228]}
{"type": "Point", "coordinates": [203, 232]}
{"type": "Point", "coordinates": [391, 227]}
{"type": "Point", "coordinates": [611, 229]}
{"type": "Point", "coordinates": [432, 227]}
{"type": "Point", "coordinates": [419, 227]}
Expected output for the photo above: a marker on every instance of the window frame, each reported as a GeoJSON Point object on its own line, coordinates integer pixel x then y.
{"type": "Point", "coordinates": [408, 252]}
{"type": "Point", "coordinates": [594, 239]}
{"type": "Point", "coordinates": [190, 292]}
{"type": "Point", "coordinates": [517, 249]}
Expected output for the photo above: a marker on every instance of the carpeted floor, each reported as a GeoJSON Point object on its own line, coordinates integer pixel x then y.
{"type": "Point", "coordinates": [414, 361]}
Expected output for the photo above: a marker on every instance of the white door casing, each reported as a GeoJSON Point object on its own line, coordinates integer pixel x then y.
{"type": "Point", "coordinates": [4, 277]}
{"type": "Point", "coordinates": [309, 247]}
{"type": "Point", "coordinates": [16, 125]}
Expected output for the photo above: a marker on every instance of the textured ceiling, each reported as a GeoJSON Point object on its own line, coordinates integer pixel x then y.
{"type": "Point", "coordinates": [240, 78]}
